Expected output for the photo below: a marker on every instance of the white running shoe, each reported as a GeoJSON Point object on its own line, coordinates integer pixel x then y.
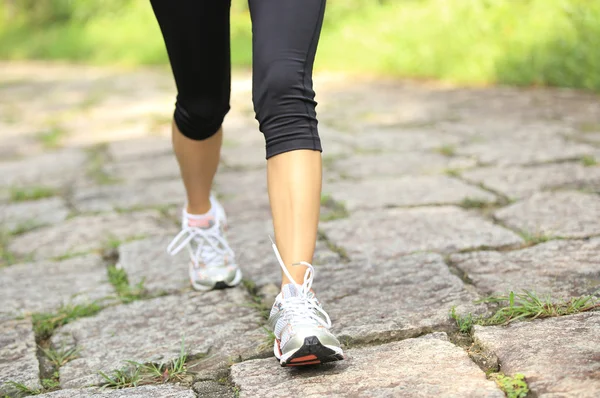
{"type": "Point", "coordinates": [212, 262]}
{"type": "Point", "coordinates": [300, 324]}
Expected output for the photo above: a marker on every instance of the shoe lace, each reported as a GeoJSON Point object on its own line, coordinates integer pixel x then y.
{"type": "Point", "coordinates": [304, 308]}
{"type": "Point", "coordinates": [211, 246]}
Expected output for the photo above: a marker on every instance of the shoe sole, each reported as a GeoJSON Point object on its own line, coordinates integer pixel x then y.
{"type": "Point", "coordinates": [312, 352]}
{"type": "Point", "coordinates": [219, 285]}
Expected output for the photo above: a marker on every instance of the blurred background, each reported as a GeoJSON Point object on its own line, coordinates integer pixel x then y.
{"type": "Point", "coordinates": [515, 42]}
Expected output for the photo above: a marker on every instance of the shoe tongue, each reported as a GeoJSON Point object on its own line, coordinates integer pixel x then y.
{"type": "Point", "coordinates": [293, 290]}
{"type": "Point", "coordinates": [206, 222]}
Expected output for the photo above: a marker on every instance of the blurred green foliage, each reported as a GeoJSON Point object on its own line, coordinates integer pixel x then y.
{"type": "Point", "coordinates": [521, 42]}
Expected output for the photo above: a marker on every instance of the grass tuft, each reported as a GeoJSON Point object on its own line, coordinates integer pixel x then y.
{"type": "Point", "coordinates": [127, 293]}
{"type": "Point", "coordinates": [336, 210]}
{"type": "Point", "coordinates": [447, 150]}
{"type": "Point", "coordinates": [464, 323]}
{"type": "Point", "coordinates": [589, 161]}
{"type": "Point", "coordinates": [473, 203]}
{"type": "Point", "coordinates": [6, 257]}
{"type": "Point", "coordinates": [534, 238]}
{"type": "Point", "coordinates": [31, 193]}
{"type": "Point", "coordinates": [513, 387]}
{"type": "Point", "coordinates": [524, 306]}
{"type": "Point", "coordinates": [52, 137]}
{"type": "Point", "coordinates": [59, 357]}
{"type": "Point", "coordinates": [140, 374]}
{"type": "Point", "coordinates": [44, 324]}
{"type": "Point", "coordinates": [23, 389]}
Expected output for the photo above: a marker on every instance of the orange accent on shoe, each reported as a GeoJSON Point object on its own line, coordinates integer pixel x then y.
{"type": "Point", "coordinates": [304, 363]}
{"type": "Point", "coordinates": [304, 358]}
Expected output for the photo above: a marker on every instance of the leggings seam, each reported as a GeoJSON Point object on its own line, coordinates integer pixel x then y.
{"type": "Point", "coordinates": [312, 43]}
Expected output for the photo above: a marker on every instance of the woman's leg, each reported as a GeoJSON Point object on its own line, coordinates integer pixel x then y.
{"type": "Point", "coordinates": [196, 34]}
{"type": "Point", "coordinates": [285, 37]}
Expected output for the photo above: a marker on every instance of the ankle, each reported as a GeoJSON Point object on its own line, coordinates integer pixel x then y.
{"type": "Point", "coordinates": [198, 209]}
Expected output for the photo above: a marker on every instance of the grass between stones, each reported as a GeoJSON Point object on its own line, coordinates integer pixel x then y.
{"type": "Point", "coordinates": [524, 306]}
{"type": "Point", "coordinates": [446, 150]}
{"type": "Point", "coordinates": [257, 302]}
{"type": "Point", "coordinates": [45, 323]}
{"type": "Point", "coordinates": [22, 194]}
{"type": "Point", "coordinates": [336, 209]}
{"type": "Point", "coordinates": [97, 157]}
{"type": "Point", "coordinates": [52, 136]}
{"type": "Point", "coordinates": [340, 251]}
{"type": "Point", "coordinates": [6, 257]}
{"type": "Point", "coordinates": [513, 386]}
{"type": "Point", "coordinates": [136, 374]}
{"type": "Point", "coordinates": [589, 161]}
{"type": "Point", "coordinates": [127, 293]}
{"type": "Point", "coordinates": [535, 238]}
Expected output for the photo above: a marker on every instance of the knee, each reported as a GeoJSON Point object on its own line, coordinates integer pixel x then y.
{"type": "Point", "coordinates": [199, 119]}
{"type": "Point", "coordinates": [281, 88]}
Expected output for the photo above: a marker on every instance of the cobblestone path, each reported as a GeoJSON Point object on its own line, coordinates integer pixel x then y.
{"type": "Point", "coordinates": [434, 198]}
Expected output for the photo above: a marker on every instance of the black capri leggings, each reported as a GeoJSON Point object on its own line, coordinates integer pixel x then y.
{"type": "Point", "coordinates": [285, 34]}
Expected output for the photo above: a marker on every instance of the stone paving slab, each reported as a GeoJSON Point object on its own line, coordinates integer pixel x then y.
{"type": "Point", "coordinates": [129, 196]}
{"type": "Point", "coordinates": [44, 286]}
{"type": "Point", "coordinates": [558, 356]}
{"type": "Point", "coordinates": [219, 324]}
{"type": "Point", "coordinates": [54, 283]}
{"type": "Point", "coordinates": [18, 361]}
{"type": "Point", "coordinates": [87, 233]}
{"type": "Point", "coordinates": [244, 157]}
{"type": "Point", "coordinates": [563, 214]}
{"type": "Point", "coordinates": [148, 170]}
{"type": "Point", "coordinates": [243, 195]}
{"type": "Point", "coordinates": [147, 260]}
{"type": "Point", "coordinates": [409, 368]}
{"type": "Point", "coordinates": [159, 391]}
{"type": "Point", "coordinates": [15, 216]}
{"type": "Point", "coordinates": [402, 140]}
{"type": "Point", "coordinates": [404, 191]}
{"type": "Point", "coordinates": [141, 148]}
{"type": "Point", "coordinates": [399, 164]}
{"type": "Point", "coordinates": [250, 241]}
{"type": "Point", "coordinates": [561, 268]}
{"type": "Point", "coordinates": [521, 182]}
{"type": "Point", "coordinates": [400, 231]}
{"type": "Point", "coordinates": [53, 169]}
{"type": "Point", "coordinates": [525, 148]}
{"type": "Point", "coordinates": [407, 296]}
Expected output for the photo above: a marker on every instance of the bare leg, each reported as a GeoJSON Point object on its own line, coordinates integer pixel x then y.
{"type": "Point", "coordinates": [198, 162]}
{"type": "Point", "coordinates": [294, 180]}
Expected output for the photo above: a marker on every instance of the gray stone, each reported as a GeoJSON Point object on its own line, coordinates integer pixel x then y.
{"type": "Point", "coordinates": [45, 285]}
{"type": "Point", "coordinates": [254, 252]}
{"type": "Point", "coordinates": [399, 164]}
{"type": "Point", "coordinates": [525, 148]}
{"type": "Point", "coordinates": [399, 231]}
{"type": "Point", "coordinates": [562, 214]}
{"type": "Point", "coordinates": [219, 324]}
{"type": "Point", "coordinates": [148, 170]}
{"type": "Point", "coordinates": [15, 216]}
{"type": "Point", "coordinates": [402, 140]}
{"type": "Point", "coordinates": [407, 296]}
{"type": "Point", "coordinates": [52, 169]}
{"type": "Point", "coordinates": [130, 196]}
{"type": "Point", "coordinates": [87, 233]}
{"type": "Point", "coordinates": [558, 356]}
{"type": "Point", "coordinates": [18, 361]}
{"type": "Point", "coordinates": [141, 148]}
{"type": "Point", "coordinates": [404, 191]}
{"type": "Point", "coordinates": [159, 391]}
{"type": "Point", "coordinates": [244, 156]}
{"type": "Point", "coordinates": [559, 268]}
{"type": "Point", "coordinates": [521, 182]}
{"type": "Point", "coordinates": [208, 388]}
{"type": "Point", "coordinates": [409, 368]}
{"type": "Point", "coordinates": [244, 195]}
{"type": "Point", "coordinates": [147, 260]}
